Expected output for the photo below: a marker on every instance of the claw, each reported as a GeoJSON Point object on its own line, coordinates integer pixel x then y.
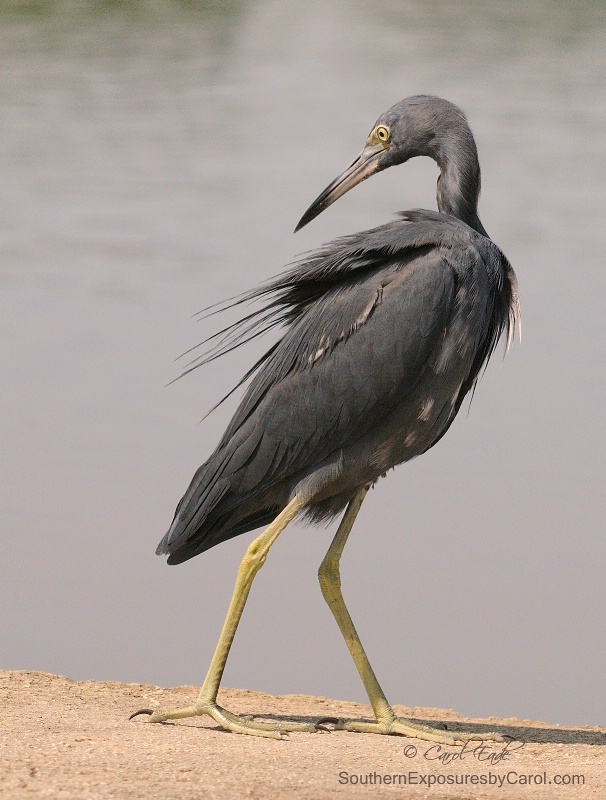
{"type": "Point", "coordinates": [149, 711]}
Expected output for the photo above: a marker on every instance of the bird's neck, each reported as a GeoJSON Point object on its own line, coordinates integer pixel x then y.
{"type": "Point", "coordinates": [459, 182]}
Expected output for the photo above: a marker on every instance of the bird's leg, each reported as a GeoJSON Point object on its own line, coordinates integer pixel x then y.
{"type": "Point", "coordinates": [206, 703]}
{"type": "Point", "coordinates": [387, 722]}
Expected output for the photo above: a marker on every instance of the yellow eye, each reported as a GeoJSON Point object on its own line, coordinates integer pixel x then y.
{"type": "Point", "coordinates": [382, 133]}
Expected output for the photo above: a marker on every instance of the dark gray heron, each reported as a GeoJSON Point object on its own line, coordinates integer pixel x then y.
{"type": "Point", "coordinates": [386, 332]}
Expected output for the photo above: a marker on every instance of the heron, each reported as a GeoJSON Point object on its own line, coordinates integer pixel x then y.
{"type": "Point", "coordinates": [383, 334]}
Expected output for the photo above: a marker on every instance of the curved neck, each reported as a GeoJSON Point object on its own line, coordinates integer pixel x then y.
{"type": "Point", "coordinates": [459, 182]}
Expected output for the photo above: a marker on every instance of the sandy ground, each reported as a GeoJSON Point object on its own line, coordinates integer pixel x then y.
{"type": "Point", "coordinates": [68, 739]}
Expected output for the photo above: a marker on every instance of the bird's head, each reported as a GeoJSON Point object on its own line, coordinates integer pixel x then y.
{"type": "Point", "coordinates": [416, 126]}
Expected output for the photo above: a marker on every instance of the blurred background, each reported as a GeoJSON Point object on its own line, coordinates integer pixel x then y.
{"type": "Point", "coordinates": [154, 159]}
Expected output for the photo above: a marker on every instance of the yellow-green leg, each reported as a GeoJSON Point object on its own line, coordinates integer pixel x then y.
{"type": "Point", "coordinates": [206, 703]}
{"type": "Point", "coordinates": [387, 722]}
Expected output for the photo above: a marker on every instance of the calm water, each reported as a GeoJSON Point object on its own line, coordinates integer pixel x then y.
{"type": "Point", "coordinates": [154, 158]}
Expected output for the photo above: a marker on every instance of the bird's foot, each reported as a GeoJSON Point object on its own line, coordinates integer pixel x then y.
{"type": "Point", "coordinates": [232, 722]}
{"type": "Point", "coordinates": [399, 726]}
{"type": "Point", "coordinates": [396, 726]}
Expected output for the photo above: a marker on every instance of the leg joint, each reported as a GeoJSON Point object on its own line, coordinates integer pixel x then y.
{"type": "Point", "coordinates": [329, 575]}
{"type": "Point", "coordinates": [254, 558]}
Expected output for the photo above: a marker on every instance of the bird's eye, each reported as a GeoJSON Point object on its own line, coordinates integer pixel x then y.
{"type": "Point", "coordinates": [382, 133]}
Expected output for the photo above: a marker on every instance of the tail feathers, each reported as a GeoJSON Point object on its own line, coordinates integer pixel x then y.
{"type": "Point", "coordinates": [191, 512]}
{"type": "Point", "coordinates": [229, 494]}
{"type": "Point", "coordinates": [220, 531]}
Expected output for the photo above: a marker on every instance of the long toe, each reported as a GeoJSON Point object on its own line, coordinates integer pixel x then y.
{"type": "Point", "coordinates": [230, 722]}
{"type": "Point", "coordinates": [405, 727]}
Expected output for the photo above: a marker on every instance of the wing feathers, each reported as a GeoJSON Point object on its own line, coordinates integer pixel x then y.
{"type": "Point", "coordinates": [365, 316]}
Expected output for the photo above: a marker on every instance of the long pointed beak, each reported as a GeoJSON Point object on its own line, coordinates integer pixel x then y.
{"type": "Point", "coordinates": [363, 167]}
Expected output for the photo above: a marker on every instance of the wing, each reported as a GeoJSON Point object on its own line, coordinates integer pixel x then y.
{"type": "Point", "coordinates": [347, 359]}
{"type": "Point", "coordinates": [336, 373]}
{"type": "Point", "coordinates": [363, 316]}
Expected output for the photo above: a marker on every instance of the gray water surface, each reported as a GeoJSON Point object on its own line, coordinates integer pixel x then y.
{"type": "Point", "coordinates": [154, 159]}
